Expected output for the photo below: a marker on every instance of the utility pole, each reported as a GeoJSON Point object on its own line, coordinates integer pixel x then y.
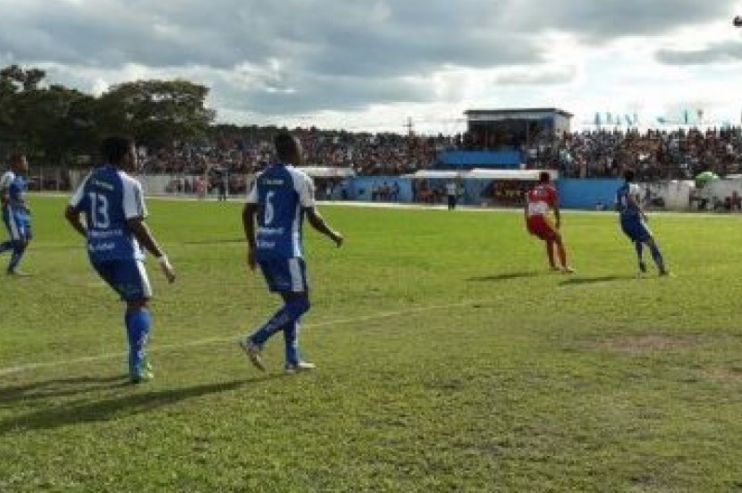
{"type": "Point", "coordinates": [410, 127]}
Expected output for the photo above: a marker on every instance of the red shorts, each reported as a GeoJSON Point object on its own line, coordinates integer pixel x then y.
{"type": "Point", "coordinates": [542, 228]}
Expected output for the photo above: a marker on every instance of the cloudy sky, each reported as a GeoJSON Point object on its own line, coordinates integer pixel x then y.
{"type": "Point", "coordinates": [371, 64]}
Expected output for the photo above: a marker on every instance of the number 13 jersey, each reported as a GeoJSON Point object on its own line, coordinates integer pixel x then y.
{"type": "Point", "coordinates": [281, 193]}
{"type": "Point", "coordinates": [110, 197]}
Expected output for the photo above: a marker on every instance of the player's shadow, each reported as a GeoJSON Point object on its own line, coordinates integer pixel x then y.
{"type": "Point", "coordinates": [61, 387]}
{"type": "Point", "coordinates": [213, 242]}
{"type": "Point", "coordinates": [120, 406]}
{"type": "Point", "coordinates": [505, 277]}
{"type": "Point", "coordinates": [579, 281]}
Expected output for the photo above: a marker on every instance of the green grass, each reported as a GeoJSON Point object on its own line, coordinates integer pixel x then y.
{"type": "Point", "coordinates": [449, 360]}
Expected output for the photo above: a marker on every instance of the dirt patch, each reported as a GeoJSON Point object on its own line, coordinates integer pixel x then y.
{"type": "Point", "coordinates": [644, 344]}
{"type": "Point", "coordinates": [724, 374]}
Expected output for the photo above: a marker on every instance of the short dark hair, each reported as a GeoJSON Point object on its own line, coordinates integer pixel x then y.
{"type": "Point", "coordinates": [544, 177]}
{"type": "Point", "coordinates": [629, 175]}
{"type": "Point", "coordinates": [286, 146]}
{"type": "Point", "coordinates": [114, 148]}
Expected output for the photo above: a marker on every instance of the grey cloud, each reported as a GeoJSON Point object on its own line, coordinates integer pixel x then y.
{"type": "Point", "coordinates": [332, 54]}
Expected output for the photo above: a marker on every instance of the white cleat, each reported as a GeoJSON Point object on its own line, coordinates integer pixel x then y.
{"type": "Point", "coordinates": [299, 367]}
{"type": "Point", "coordinates": [253, 352]}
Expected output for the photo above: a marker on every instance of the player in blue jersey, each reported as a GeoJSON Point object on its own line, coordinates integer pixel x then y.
{"type": "Point", "coordinates": [634, 223]}
{"type": "Point", "coordinates": [280, 198]}
{"type": "Point", "coordinates": [114, 210]}
{"type": "Point", "coordinates": [15, 211]}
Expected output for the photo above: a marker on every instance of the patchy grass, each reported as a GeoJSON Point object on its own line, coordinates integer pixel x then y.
{"type": "Point", "coordinates": [449, 360]}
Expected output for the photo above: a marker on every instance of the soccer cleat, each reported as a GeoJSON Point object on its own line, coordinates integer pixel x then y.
{"type": "Point", "coordinates": [665, 273]}
{"type": "Point", "coordinates": [568, 270]}
{"type": "Point", "coordinates": [253, 352]}
{"type": "Point", "coordinates": [291, 369]}
{"type": "Point", "coordinates": [142, 373]}
{"type": "Point", "coordinates": [642, 267]}
{"type": "Point", "coordinates": [17, 273]}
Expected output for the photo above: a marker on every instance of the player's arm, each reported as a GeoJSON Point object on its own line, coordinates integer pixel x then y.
{"type": "Point", "coordinates": [557, 213]}
{"type": "Point", "coordinates": [144, 236]}
{"type": "Point", "coordinates": [306, 198]}
{"type": "Point", "coordinates": [248, 224]}
{"type": "Point", "coordinates": [74, 217]}
{"type": "Point", "coordinates": [632, 201]}
{"type": "Point", "coordinates": [5, 190]}
{"type": "Point", "coordinates": [73, 212]}
{"type": "Point", "coordinates": [135, 211]}
{"type": "Point", "coordinates": [319, 224]}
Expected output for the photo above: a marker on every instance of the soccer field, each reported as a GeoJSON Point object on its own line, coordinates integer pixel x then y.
{"type": "Point", "coordinates": [449, 359]}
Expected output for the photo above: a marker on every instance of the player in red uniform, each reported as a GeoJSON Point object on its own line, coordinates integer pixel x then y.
{"type": "Point", "coordinates": [539, 201]}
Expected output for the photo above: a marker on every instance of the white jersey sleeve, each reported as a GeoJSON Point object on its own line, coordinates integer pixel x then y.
{"type": "Point", "coordinates": [133, 198]}
{"type": "Point", "coordinates": [304, 186]}
{"type": "Point", "coordinates": [6, 180]}
{"type": "Point", "coordinates": [252, 195]}
{"type": "Point", "coordinates": [79, 193]}
{"type": "Point", "coordinates": [636, 192]}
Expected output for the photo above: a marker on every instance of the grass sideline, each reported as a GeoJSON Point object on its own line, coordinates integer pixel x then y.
{"type": "Point", "coordinates": [449, 360]}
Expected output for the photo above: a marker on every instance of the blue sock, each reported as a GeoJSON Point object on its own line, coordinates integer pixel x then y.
{"type": "Point", "coordinates": [138, 325]}
{"type": "Point", "coordinates": [285, 319]}
{"type": "Point", "coordinates": [4, 247]}
{"type": "Point", "coordinates": [15, 259]}
{"type": "Point", "coordinates": [276, 323]}
{"type": "Point", "coordinates": [639, 250]}
{"type": "Point", "coordinates": [291, 340]}
{"type": "Point", "coordinates": [657, 256]}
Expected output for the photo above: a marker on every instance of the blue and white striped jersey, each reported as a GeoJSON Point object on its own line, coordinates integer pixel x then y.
{"type": "Point", "coordinates": [281, 193]}
{"type": "Point", "coordinates": [109, 197]}
{"type": "Point", "coordinates": [625, 207]}
{"type": "Point", "coordinates": [15, 186]}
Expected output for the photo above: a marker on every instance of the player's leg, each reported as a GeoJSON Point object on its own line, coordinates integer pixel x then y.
{"type": "Point", "coordinates": [300, 298]}
{"type": "Point", "coordinates": [284, 276]}
{"type": "Point", "coordinates": [138, 327]}
{"type": "Point", "coordinates": [129, 279]}
{"type": "Point", "coordinates": [21, 235]}
{"type": "Point", "coordinates": [639, 246]}
{"type": "Point", "coordinates": [550, 253]}
{"type": "Point", "coordinates": [657, 256]}
{"type": "Point", "coordinates": [562, 252]}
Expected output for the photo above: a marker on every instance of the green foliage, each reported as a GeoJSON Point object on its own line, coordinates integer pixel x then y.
{"type": "Point", "coordinates": [56, 123]}
{"type": "Point", "coordinates": [156, 113]}
{"type": "Point", "coordinates": [449, 360]}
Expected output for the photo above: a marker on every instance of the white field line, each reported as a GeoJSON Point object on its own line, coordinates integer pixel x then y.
{"type": "Point", "coordinates": [395, 205]}
{"type": "Point", "coordinates": [220, 340]}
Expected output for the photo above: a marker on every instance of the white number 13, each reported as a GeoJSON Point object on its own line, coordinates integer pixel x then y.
{"type": "Point", "coordinates": [99, 210]}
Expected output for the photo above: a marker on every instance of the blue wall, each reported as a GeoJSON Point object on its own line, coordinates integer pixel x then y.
{"type": "Point", "coordinates": [586, 194]}
{"type": "Point", "coordinates": [574, 193]}
{"type": "Point", "coordinates": [480, 159]}
{"type": "Point", "coordinates": [360, 187]}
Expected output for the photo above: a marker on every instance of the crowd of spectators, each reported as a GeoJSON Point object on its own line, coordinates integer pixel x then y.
{"type": "Point", "coordinates": [655, 154]}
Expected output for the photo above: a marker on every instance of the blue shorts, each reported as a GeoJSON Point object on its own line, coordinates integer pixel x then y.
{"type": "Point", "coordinates": [127, 277]}
{"type": "Point", "coordinates": [285, 275]}
{"type": "Point", "coordinates": [19, 226]}
{"type": "Point", "coordinates": [636, 229]}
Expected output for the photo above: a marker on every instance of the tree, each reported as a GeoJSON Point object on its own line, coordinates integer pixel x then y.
{"type": "Point", "coordinates": [155, 112]}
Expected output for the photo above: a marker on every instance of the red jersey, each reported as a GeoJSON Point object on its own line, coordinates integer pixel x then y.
{"type": "Point", "coordinates": [541, 199]}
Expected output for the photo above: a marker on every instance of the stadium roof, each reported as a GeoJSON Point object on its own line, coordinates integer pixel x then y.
{"type": "Point", "coordinates": [483, 174]}
{"type": "Point", "coordinates": [517, 111]}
